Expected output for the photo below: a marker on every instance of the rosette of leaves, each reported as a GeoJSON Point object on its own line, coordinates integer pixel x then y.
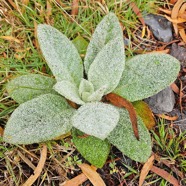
{"type": "Point", "coordinates": [44, 113]}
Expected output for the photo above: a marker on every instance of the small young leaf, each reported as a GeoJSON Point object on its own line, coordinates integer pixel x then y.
{"type": "Point", "coordinates": [61, 55]}
{"type": "Point", "coordinates": [97, 95]}
{"type": "Point", "coordinates": [123, 138]}
{"type": "Point", "coordinates": [26, 87]}
{"type": "Point", "coordinates": [81, 44]}
{"type": "Point", "coordinates": [91, 148]}
{"type": "Point", "coordinates": [40, 119]}
{"type": "Point", "coordinates": [85, 86]}
{"type": "Point", "coordinates": [108, 29]}
{"type": "Point", "coordinates": [108, 66]}
{"type": "Point", "coordinates": [96, 119]}
{"type": "Point", "coordinates": [146, 75]}
{"type": "Point", "coordinates": [69, 91]}
{"type": "Point", "coordinates": [145, 113]}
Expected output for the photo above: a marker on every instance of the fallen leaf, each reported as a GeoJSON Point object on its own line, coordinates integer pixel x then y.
{"type": "Point", "coordinates": [75, 8]}
{"type": "Point", "coordinates": [175, 12]}
{"type": "Point", "coordinates": [175, 88]}
{"type": "Point", "coordinates": [48, 10]}
{"type": "Point", "coordinates": [164, 174]}
{"type": "Point", "coordinates": [145, 113]}
{"type": "Point", "coordinates": [1, 131]}
{"type": "Point", "coordinates": [39, 167]}
{"type": "Point", "coordinates": [26, 160]}
{"type": "Point", "coordinates": [10, 38]}
{"type": "Point", "coordinates": [78, 180]}
{"type": "Point", "coordinates": [166, 51]}
{"type": "Point", "coordinates": [92, 175]}
{"type": "Point", "coordinates": [175, 21]}
{"type": "Point", "coordinates": [136, 10]}
{"type": "Point", "coordinates": [165, 11]}
{"type": "Point", "coordinates": [182, 34]}
{"type": "Point", "coordinates": [145, 170]}
{"type": "Point", "coordinates": [173, 1]}
{"type": "Point", "coordinates": [123, 103]}
{"type": "Point", "coordinates": [170, 118]}
{"type": "Point", "coordinates": [12, 4]}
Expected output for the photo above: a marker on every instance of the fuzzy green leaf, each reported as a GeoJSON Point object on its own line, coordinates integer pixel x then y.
{"type": "Point", "coordinates": [91, 148]}
{"type": "Point", "coordinates": [85, 86]}
{"type": "Point", "coordinates": [96, 119]}
{"type": "Point", "coordinates": [61, 55]}
{"type": "Point", "coordinates": [123, 138]}
{"type": "Point", "coordinates": [107, 30]}
{"type": "Point", "coordinates": [69, 91]}
{"type": "Point", "coordinates": [146, 75]}
{"type": "Point", "coordinates": [27, 87]}
{"type": "Point", "coordinates": [108, 66]}
{"type": "Point", "coordinates": [81, 44]}
{"type": "Point", "coordinates": [40, 119]}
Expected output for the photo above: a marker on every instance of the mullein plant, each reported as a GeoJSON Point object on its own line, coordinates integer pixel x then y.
{"type": "Point", "coordinates": [44, 113]}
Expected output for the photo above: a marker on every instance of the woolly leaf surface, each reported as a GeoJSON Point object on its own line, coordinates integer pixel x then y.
{"type": "Point", "coordinates": [27, 87]}
{"type": "Point", "coordinates": [123, 138]}
{"type": "Point", "coordinates": [107, 30]}
{"type": "Point", "coordinates": [96, 119]}
{"type": "Point", "coordinates": [85, 86]}
{"type": "Point", "coordinates": [146, 75]}
{"type": "Point", "coordinates": [61, 55]}
{"type": "Point", "coordinates": [97, 95]}
{"type": "Point", "coordinates": [40, 119]}
{"type": "Point", "coordinates": [91, 148]}
{"type": "Point", "coordinates": [69, 91]}
{"type": "Point", "coordinates": [108, 66]}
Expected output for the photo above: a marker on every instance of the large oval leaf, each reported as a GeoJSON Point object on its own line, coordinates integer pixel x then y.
{"type": "Point", "coordinates": [40, 119]}
{"type": "Point", "coordinates": [146, 75]}
{"type": "Point", "coordinates": [108, 66]}
{"type": "Point", "coordinates": [26, 87]}
{"type": "Point", "coordinates": [91, 148]}
{"type": "Point", "coordinates": [123, 138]}
{"type": "Point", "coordinates": [61, 55]}
{"type": "Point", "coordinates": [108, 29]}
{"type": "Point", "coordinates": [96, 119]}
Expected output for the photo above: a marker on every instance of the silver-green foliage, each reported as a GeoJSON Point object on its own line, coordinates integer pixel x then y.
{"type": "Point", "coordinates": [27, 87]}
{"type": "Point", "coordinates": [122, 137]}
{"type": "Point", "coordinates": [40, 119]}
{"type": "Point", "coordinates": [146, 75]}
{"type": "Point", "coordinates": [48, 116]}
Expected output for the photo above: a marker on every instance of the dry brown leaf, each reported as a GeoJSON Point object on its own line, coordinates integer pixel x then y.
{"type": "Point", "coordinates": [175, 12]}
{"type": "Point", "coordinates": [175, 21]}
{"type": "Point", "coordinates": [78, 180]}
{"type": "Point", "coordinates": [12, 4]}
{"type": "Point", "coordinates": [1, 132]}
{"type": "Point", "coordinates": [39, 167]}
{"type": "Point", "coordinates": [123, 103]}
{"type": "Point", "coordinates": [166, 51]}
{"type": "Point", "coordinates": [182, 34]}
{"type": "Point", "coordinates": [145, 170]}
{"type": "Point", "coordinates": [75, 7]}
{"type": "Point", "coordinates": [164, 174]}
{"type": "Point", "coordinates": [10, 38]}
{"type": "Point", "coordinates": [166, 11]}
{"type": "Point", "coordinates": [26, 160]}
{"type": "Point", "coordinates": [48, 10]}
{"type": "Point", "coordinates": [136, 10]}
{"type": "Point", "coordinates": [170, 118]}
{"type": "Point", "coordinates": [175, 88]}
{"type": "Point", "coordinates": [173, 1]}
{"type": "Point", "coordinates": [176, 9]}
{"type": "Point", "coordinates": [92, 175]}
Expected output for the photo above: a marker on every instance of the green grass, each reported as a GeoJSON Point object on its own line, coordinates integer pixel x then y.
{"type": "Point", "coordinates": [25, 57]}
